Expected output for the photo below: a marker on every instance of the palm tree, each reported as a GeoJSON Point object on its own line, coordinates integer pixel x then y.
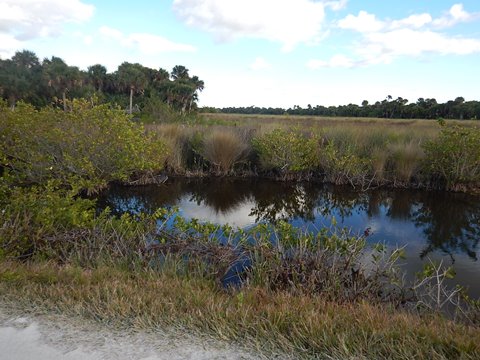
{"type": "Point", "coordinates": [131, 77]}
{"type": "Point", "coordinates": [180, 72]}
{"type": "Point", "coordinates": [97, 75]}
{"type": "Point", "coordinates": [61, 77]}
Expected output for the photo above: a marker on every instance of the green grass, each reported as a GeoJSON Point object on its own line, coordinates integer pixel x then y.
{"type": "Point", "coordinates": [302, 326]}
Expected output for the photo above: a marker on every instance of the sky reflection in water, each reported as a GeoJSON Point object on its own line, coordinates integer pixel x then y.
{"type": "Point", "coordinates": [431, 225]}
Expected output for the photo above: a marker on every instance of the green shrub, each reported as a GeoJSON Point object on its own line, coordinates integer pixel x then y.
{"type": "Point", "coordinates": [345, 167]}
{"type": "Point", "coordinates": [31, 214]}
{"type": "Point", "coordinates": [454, 156]}
{"type": "Point", "coordinates": [94, 144]}
{"type": "Point", "coordinates": [50, 222]}
{"type": "Point", "coordinates": [287, 150]}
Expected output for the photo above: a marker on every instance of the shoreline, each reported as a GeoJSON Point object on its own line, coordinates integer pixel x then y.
{"type": "Point", "coordinates": [165, 176]}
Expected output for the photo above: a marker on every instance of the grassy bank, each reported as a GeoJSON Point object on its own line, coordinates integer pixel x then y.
{"type": "Point", "coordinates": [301, 326]}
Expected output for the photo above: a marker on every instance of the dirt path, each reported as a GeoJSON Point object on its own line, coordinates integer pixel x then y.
{"type": "Point", "coordinates": [55, 337]}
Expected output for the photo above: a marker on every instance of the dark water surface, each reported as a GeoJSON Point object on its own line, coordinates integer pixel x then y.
{"type": "Point", "coordinates": [430, 225]}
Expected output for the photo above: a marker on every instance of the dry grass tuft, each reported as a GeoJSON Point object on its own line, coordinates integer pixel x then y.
{"type": "Point", "coordinates": [224, 149]}
{"type": "Point", "coordinates": [405, 160]}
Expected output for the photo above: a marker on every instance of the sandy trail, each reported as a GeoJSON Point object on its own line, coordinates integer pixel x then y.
{"type": "Point", "coordinates": [55, 337]}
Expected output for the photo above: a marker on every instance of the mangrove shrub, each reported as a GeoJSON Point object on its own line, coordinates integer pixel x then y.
{"type": "Point", "coordinates": [454, 157]}
{"type": "Point", "coordinates": [287, 150]}
{"type": "Point", "coordinates": [96, 144]}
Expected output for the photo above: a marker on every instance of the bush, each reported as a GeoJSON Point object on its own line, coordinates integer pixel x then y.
{"type": "Point", "coordinates": [50, 222]}
{"type": "Point", "coordinates": [94, 144]}
{"type": "Point", "coordinates": [287, 150]}
{"type": "Point", "coordinates": [345, 167]}
{"type": "Point", "coordinates": [30, 215]}
{"type": "Point", "coordinates": [454, 156]}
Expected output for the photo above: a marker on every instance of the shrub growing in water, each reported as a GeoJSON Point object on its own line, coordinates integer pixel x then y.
{"type": "Point", "coordinates": [454, 156]}
{"type": "Point", "coordinates": [95, 143]}
{"type": "Point", "coordinates": [287, 150]}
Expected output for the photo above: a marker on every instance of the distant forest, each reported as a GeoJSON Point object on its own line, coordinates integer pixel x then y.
{"type": "Point", "coordinates": [157, 92]}
{"type": "Point", "coordinates": [132, 86]}
{"type": "Point", "coordinates": [388, 108]}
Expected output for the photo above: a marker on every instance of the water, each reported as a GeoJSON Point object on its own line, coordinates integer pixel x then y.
{"type": "Point", "coordinates": [430, 225]}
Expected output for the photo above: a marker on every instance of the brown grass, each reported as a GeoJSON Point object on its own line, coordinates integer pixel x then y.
{"type": "Point", "coordinates": [405, 158]}
{"type": "Point", "coordinates": [302, 326]}
{"type": "Point", "coordinates": [225, 148]}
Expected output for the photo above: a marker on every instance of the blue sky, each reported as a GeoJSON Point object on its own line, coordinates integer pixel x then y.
{"type": "Point", "coordinates": [267, 52]}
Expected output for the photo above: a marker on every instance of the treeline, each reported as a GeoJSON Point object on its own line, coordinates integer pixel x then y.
{"type": "Point", "coordinates": [133, 86]}
{"type": "Point", "coordinates": [388, 108]}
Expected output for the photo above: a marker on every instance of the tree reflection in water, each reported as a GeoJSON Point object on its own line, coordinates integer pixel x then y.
{"type": "Point", "coordinates": [451, 223]}
{"type": "Point", "coordinates": [447, 222]}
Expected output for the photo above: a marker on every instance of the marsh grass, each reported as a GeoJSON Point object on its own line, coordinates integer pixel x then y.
{"type": "Point", "coordinates": [225, 148]}
{"type": "Point", "coordinates": [360, 152]}
{"type": "Point", "coordinates": [405, 161]}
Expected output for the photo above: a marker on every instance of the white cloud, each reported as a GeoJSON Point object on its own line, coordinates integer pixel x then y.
{"type": "Point", "coordinates": [415, 21]}
{"type": "Point", "coordinates": [289, 22]}
{"type": "Point", "coordinates": [146, 43]}
{"type": "Point", "coordinates": [455, 15]}
{"type": "Point", "coordinates": [22, 20]}
{"type": "Point", "coordinates": [414, 43]}
{"type": "Point", "coordinates": [8, 45]}
{"type": "Point", "coordinates": [336, 5]}
{"type": "Point", "coordinates": [260, 64]}
{"type": "Point", "coordinates": [363, 22]}
{"type": "Point", "coordinates": [28, 19]}
{"type": "Point", "coordinates": [413, 36]}
{"type": "Point", "coordinates": [337, 61]}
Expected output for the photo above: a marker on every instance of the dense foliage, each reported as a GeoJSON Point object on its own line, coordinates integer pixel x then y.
{"type": "Point", "coordinates": [90, 145]}
{"type": "Point", "coordinates": [287, 150]}
{"type": "Point", "coordinates": [455, 156]}
{"type": "Point", "coordinates": [132, 86]}
{"type": "Point", "coordinates": [388, 108]}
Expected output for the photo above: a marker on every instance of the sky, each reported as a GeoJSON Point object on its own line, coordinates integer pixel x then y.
{"type": "Point", "coordinates": [267, 53]}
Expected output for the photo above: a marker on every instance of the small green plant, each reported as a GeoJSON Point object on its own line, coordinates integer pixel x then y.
{"type": "Point", "coordinates": [345, 167]}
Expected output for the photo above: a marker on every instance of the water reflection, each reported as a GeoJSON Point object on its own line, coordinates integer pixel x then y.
{"type": "Point", "coordinates": [429, 224]}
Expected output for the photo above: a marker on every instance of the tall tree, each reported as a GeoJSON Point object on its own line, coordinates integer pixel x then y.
{"type": "Point", "coordinates": [97, 76]}
{"type": "Point", "coordinates": [131, 77]}
{"type": "Point", "coordinates": [17, 76]}
{"type": "Point", "coordinates": [61, 77]}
